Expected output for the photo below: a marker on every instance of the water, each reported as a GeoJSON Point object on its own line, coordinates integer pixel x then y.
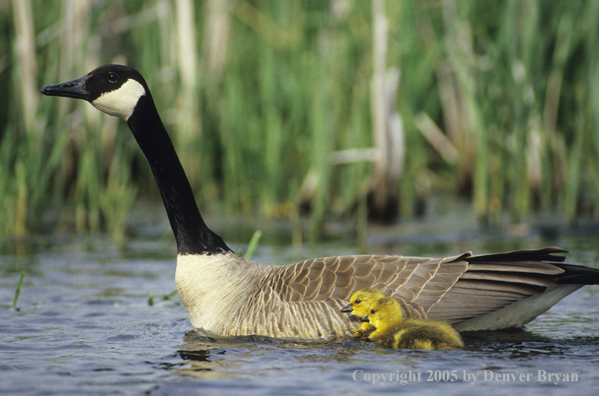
{"type": "Point", "coordinates": [84, 326]}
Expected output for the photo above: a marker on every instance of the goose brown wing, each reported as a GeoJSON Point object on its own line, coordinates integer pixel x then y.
{"type": "Point", "coordinates": [497, 280]}
{"type": "Point", "coordinates": [419, 281]}
{"type": "Point", "coordinates": [452, 288]}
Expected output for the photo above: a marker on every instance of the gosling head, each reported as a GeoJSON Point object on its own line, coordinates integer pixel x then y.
{"type": "Point", "coordinates": [359, 302]}
{"type": "Point", "coordinates": [383, 313]}
{"type": "Point", "coordinates": [113, 89]}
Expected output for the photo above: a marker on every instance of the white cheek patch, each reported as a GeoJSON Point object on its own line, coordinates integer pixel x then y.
{"type": "Point", "coordinates": [120, 102]}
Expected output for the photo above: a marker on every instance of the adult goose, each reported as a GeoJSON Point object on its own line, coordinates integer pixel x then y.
{"type": "Point", "coordinates": [228, 296]}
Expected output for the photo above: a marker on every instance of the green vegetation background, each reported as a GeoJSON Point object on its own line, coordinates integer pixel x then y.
{"type": "Point", "coordinates": [279, 106]}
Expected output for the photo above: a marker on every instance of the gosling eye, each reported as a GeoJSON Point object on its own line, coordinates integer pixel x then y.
{"type": "Point", "coordinates": [358, 301]}
{"type": "Point", "coordinates": [113, 77]}
{"type": "Point", "coordinates": [372, 311]}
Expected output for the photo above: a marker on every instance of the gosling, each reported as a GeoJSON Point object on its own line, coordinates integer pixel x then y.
{"type": "Point", "coordinates": [392, 332]}
{"type": "Point", "coordinates": [359, 305]}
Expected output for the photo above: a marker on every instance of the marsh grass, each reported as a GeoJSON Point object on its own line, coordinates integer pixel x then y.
{"type": "Point", "coordinates": [249, 251]}
{"type": "Point", "coordinates": [164, 297]}
{"type": "Point", "coordinates": [18, 291]}
{"type": "Point", "coordinates": [258, 96]}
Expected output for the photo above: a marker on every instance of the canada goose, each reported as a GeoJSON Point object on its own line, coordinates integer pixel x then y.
{"type": "Point", "coordinates": [392, 331]}
{"type": "Point", "coordinates": [227, 295]}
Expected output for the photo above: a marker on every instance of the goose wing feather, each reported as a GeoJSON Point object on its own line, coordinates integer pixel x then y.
{"type": "Point", "coordinates": [497, 280]}
{"type": "Point", "coordinates": [419, 282]}
{"type": "Point", "coordinates": [451, 288]}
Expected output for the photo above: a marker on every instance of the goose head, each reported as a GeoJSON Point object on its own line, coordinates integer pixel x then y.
{"type": "Point", "coordinates": [359, 302]}
{"type": "Point", "coordinates": [112, 89]}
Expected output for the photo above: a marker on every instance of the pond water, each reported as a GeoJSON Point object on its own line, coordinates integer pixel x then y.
{"type": "Point", "coordinates": [84, 325]}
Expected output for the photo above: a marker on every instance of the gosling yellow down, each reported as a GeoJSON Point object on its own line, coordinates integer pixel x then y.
{"type": "Point", "coordinates": [359, 305]}
{"type": "Point", "coordinates": [392, 331]}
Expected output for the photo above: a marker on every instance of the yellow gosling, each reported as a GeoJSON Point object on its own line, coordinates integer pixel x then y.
{"type": "Point", "coordinates": [359, 305]}
{"type": "Point", "coordinates": [392, 332]}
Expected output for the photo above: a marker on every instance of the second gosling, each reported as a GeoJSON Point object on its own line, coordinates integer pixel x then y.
{"type": "Point", "coordinates": [392, 331]}
{"type": "Point", "coordinates": [359, 305]}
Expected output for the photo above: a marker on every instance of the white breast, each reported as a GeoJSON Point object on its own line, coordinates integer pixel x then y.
{"type": "Point", "coordinates": [214, 288]}
{"type": "Point", "coordinates": [229, 296]}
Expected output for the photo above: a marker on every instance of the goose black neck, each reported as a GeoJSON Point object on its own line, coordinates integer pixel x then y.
{"type": "Point", "coordinates": [191, 233]}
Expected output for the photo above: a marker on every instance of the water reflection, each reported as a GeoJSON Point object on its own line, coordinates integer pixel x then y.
{"type": "Point", "coordinates": [85, 312]}
{"type": "Point", "coordinates": [207, 357]}
{"type": "Point", "coordinates": [526, 345]}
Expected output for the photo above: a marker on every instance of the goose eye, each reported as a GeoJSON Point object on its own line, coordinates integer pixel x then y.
{"type": "Point", "coordinates": [113, 77]}
{"type": "Point", "coordinates": [372, 311]}
{"type": "Point", "coordinates": [358, 301]}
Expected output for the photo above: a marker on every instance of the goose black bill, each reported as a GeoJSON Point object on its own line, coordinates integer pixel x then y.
{"type": "Point", "coordinates": [71, 89]}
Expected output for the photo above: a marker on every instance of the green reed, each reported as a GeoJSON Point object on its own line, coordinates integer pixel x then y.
{"type": "Point", "coordinates": [18, 291]}
{"type": "Point", "coordinates": [262, 117]}
{"type": "Point", "coordinates": [252, 245]}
